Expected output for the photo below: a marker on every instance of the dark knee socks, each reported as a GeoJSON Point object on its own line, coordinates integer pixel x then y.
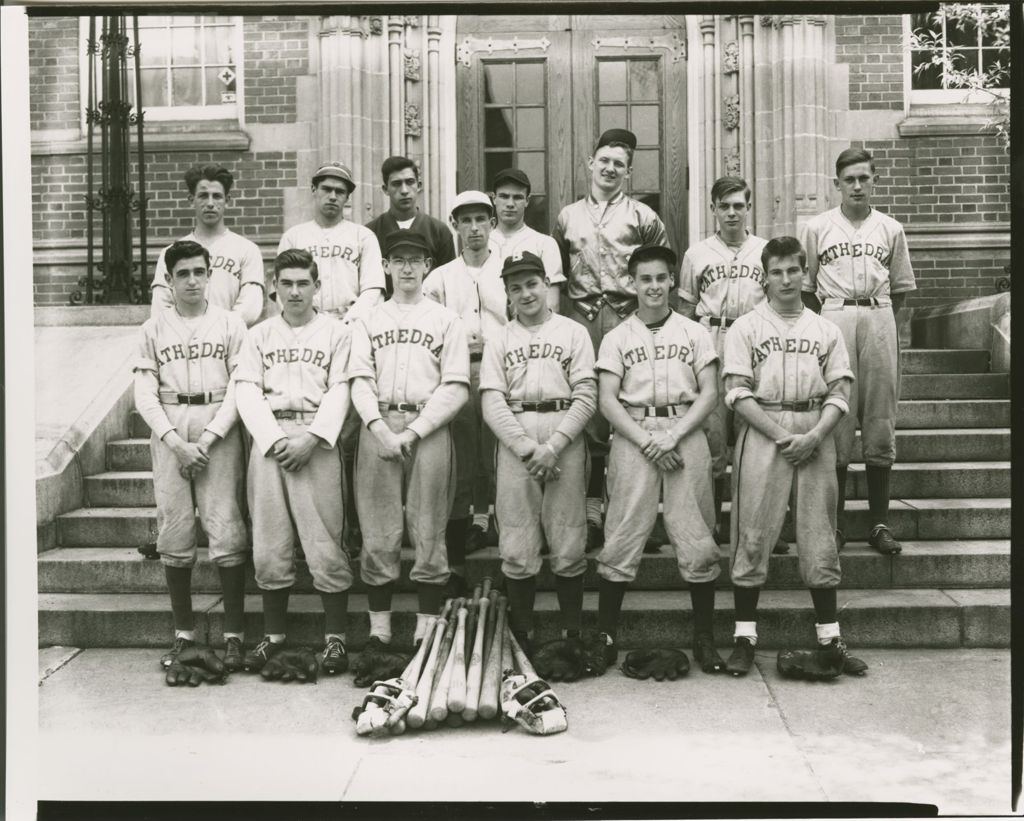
{"type": "Point", "coordinates": [521, 596]}
{"type": "Point", "coordinates": [745, 602]}
{"type": "Point", "coordinates": [232, 586]}
{"type": "Point", "coordinates": [609, 605]}
{"type": "Point", "coordinates": [702, 598]}
{"type": "Point", "coordinates": [430, 596]}
{"type": "Point", "coordinates": [841, 497]}
{"type": "Point", "coordinates": [570, 603]}
{"type": "Point", "coordinates": [878, 493]}
{"type": "Point", "coordinates": [825, 607]}
{"type": "Point", "coordinates": [275, 611]}
{"type": "Point", "coordinates": [179, 585]}
{"type": "Point", "coordinates": [455, 541]}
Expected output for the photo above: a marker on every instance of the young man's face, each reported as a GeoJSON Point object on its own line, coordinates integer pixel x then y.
{"type": "Point", "coordinates": [209, 201]}
{"type": "Point", "coordinates": [730, 212]}
{"type": "Point", "coordinates": [403, 188]}
{"type": "Point", "coordinates": [854, 183]}
{"type": "Point", "coordinates": [407, 267]}
{"type": "Point", "coordinates": [330, 196]}
{"type": "Point", "coordinates": [473, 224]}
{"type": "Point", "coordinates": [609, 168]}
{"type": "Point", "coordinates": [653, 282]}
{"type": "Point", "coordinates": [295, 291]}
{"type": "Point", "coordinates": [783, 280]}
{"type": "Point", "coordinates": [527, 294]}
{"type": "Point", "coordinates": [188, 280]}
{"type": "Point", "coordinates": [511, 200]}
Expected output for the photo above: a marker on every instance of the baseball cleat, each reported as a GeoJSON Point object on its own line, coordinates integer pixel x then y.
{"type": "Point", "coordinates": [148, 550]}
{"type": "Point", "coordinates": [180, 644]}
{"type": "Point", "coordinates": [599, 653]}
{"type": "Point", "coordinates": [705, 654]}
{"type": "Point", "coordinates": [261, 654]}
{"type": "Point", "coordinates": [742, 657]}
{"type": "Point", "coordinates": [852, 666]}
{"type": "Point", "coordinates": [658, 664]}
{"type": "Point", "coordinates": [234, 658]}
{"type": "Point", "coordinates": [832, 656]}
{"type": "Point", "coordinates": [476, 539]}
{"type": "Point", "coordinates": [882, 540]}
{"type": "Point", "coordinates": [781, 548]}
{"type": "Point", "coordinates": [334, 659]}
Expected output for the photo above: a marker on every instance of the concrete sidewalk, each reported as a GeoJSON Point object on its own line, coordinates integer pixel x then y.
{"type": "Point", "coordinates": [928, 726]}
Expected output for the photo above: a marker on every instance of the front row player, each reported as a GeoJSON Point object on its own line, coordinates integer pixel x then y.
{"type": "Point", "coordinates": [186, 356]}
{"type": "Point", "coordinates": [292, 395]}
{"type": "Point", "coordinates": [538, 392]}
{"type": "Point", "coordinates": [658, 381]}
{"type": "Point", "coordinates": [787, 377]}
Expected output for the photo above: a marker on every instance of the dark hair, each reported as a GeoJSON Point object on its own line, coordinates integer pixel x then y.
{"type": "Point", "coordinates": [648, 253]}
{"type": "Point", "coordinates": [724, 186]}
{"type": "Point", "coordinates": [779, 247]}
{"type": "Point", "coordinates": [851, 156]}
{"type": "Point", "coordinates": [184, 249]}
{"type": "Point", "coordinates": [617, 144]}
{"type": "Point", "coordinates": [296, 258]}
{"type": "Point", "coordinates": [213, 173]}
{"type": "Point", "coordinates": [393, 164]}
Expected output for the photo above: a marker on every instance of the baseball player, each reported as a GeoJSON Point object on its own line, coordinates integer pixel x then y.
{"type": "Point", "coordinates": [658, 381]}
{"type": "Point", "coordinates": [236, 264]}
{"type": "Point", "coordinates": [538, 392]}
{"type": "Point", "coordinates": [402, 185]}
{"type": "Point", "coordinates": [293, 394]}
{"type": "Point", "coordinates": [720, 280]}
{"type": "Point", "coordinates": [596, 236]}
{"type": "Point", "coordinates": [410, 376]}
{"type": "Point", "coordinates": [859, 274]}
{"type": "Point", "coordinates": [787, 377]}
{"type": "Point", "coordinates": [182, 375]}
{"type": "Point", "coordinates": [471, 286]}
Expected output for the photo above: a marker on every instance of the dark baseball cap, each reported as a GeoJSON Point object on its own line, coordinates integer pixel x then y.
{"type": "Point", "coordinates": [512, 175]}
{"type": "Point", "coordinates": [648, 252]}
{"type": "Point", "coordinates": [523, 263]}
{"type": "Point", "coordinates": [335, 169]}
{"type": "Point", "coordinates": [617, 135]}
{"type": "Point", "coordinates": [405, 238]}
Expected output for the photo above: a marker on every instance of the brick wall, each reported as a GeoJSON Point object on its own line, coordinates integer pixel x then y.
{"type": "Point", "coordinates": [276, 52]}
{"type": "Point", "coordinates": [53, 53]}
{"type": "Point", "coordinates": [872, 46]}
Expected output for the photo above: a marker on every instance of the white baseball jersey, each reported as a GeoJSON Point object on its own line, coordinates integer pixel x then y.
{"type": "Point", "coordinates": [855, 263]}
{"type": "Point", "coordinates": [786, 363]}
{"type": "Point", "coordinates": [235, 262]}
{"type": "Point", "coordinates": [657, 368]}
{"type": "Point", "coordinates": [534, 367]}
{"type": "Point", "coordinates": [527, 239]}
{"type": "Point", "coordinates": [294, 368]}
{"type": "Point", "coordinates": [409, 353]}
{"type": "Point", "coordinates": [722, 281]}
{"type": "Point", "coordinates": [347, 256]}
{"type": "Point", "coordinates": [190, 356]}
{"type": "Point", "coordinates": [478, 297]}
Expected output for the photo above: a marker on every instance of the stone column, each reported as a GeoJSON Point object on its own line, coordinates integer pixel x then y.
{"type": "Point", "coordinates": [746, 83]}
{"type": "Point", "coordinates": [711, 125]}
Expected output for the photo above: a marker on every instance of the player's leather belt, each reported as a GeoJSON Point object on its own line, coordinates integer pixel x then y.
{"type": "Point", "coordinates": [208, 398]}
{"type": "Point", "coordinates": [657, 410]}
{"type": "Point", "coordinates": [715, 321]}
{"type": "Point", "coordinates": [405, 407]}
{"type": "Point", "coordinates": [475, 357]}
{"type": "Point", "coordinates": [540, 407]}
{"type": "Point", "coordinates": [863, 302]}
{"type": "Point", "coordinates": [802, 405]}
{"type": "Point", "coordinates": [866, 302]}
{"type": "Point", "coordinates": [294, 414]}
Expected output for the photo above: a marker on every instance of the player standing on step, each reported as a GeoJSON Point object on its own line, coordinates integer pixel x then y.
{"type": "Point", "coordinates": [858, 275]}
{"type": "Point", "coordinates": [182, 376]}
{"type": "Point", "coordinates": [657, 383]}
{"type": "Point", "coordinates": [787, 377]}
{"type": "Point", "coordinates": [292, 394]}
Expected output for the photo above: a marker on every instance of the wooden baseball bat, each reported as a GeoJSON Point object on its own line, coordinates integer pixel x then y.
{"type": "Point", "coordinates": [411, 674]}
{"type": "Point", "coordinates": [521, 661]}
{"type": "Point", "coordinates": [485, 587]}
{"type": "Point", "coordinates": [474, 676]}
{"type": "Point", "coordinates": [506, 650]}
{"type": "Point", "coordinates": [418, 712]}
{"type": "Point", "coordinates": [488, 707]}
{"type": "Point", "coordinates": [471, 621]}
{"type": "Point", "coordinates": [454, 720]}
{"type": "Point", "coordinates": [457, 688]}
{"type": "Point", "coordinates": [438, 707]}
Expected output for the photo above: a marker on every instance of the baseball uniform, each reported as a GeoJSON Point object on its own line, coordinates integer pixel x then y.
{"type": "Point", "coordinates": [780, 361]}
{"type": "Point", "coordinates": [478, 297]}
{"type": "Point", "coordinates": [291, 381]}
{"type": "Point", "coordinates": [183, 372]}
{"type": "Point", "coordinates": [724, 283]}
{"type": "Point", "coordinates": [411, 355]}
{"type": "Point", "coordinates": [236, 276]}
{"type": "Point", "coordinates": [658, 369]}
{"type": "Point", "coordinates": [347, 257]}
{"type": "Point", "coordinates": [437, 234]}
{"type": "Point", "coordinates": [527, 239]}
{"type": "Point", "coordinates": [854, 272]}
{"type": "Point", "coordinates": [536, 382]}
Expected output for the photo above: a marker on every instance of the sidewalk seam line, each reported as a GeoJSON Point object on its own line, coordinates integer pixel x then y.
{"type": "Point", "coordinates": [78, 651]}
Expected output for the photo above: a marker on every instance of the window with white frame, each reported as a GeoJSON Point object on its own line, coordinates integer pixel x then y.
{"type": "Point", "coordinates": [190, 66]}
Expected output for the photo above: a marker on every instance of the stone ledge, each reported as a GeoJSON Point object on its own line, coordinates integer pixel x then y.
{"type": "Point", "coordinates": [211, 140]}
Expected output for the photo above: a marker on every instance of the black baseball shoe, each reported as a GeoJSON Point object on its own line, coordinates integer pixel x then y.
{"type": "Point", "coordinates": [334, 658]}
{"type": "Point", "coordinates": [167, 659]}
{"type": "Point", "coordinates": [852, 666]}
{"type": "Point", "coordinates": [148, 550]}
{"type": "Point", "coordinates": [599, 653]}
{"type": "Point", "coordinates": [742, 657]}
{"type": "Point", "coordinates": [261, 654]}
{"type": "Point", "coordinates": [882, 540]}
{"type": "Point", "coordinates": [705, 654]}
{"type": "Point", "coordinates": [234, 658]}
{"type": "Point", "coordinates": [595, 537]}
{"type": "Point", "coordinates": [781, 548]}
{"type": "Point", "coordinates": [476, 539]}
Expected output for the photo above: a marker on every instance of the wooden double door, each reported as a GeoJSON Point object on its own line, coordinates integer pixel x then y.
{"type": "Point", "coordinates": [536, 92]}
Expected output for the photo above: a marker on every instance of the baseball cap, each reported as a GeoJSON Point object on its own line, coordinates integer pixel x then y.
{"type": "Point", "coordinates": [512, 175]}
{"type": "Point", "coordinates": [470, 198]}
{"type": "Point", "coordinates": [335, 169]}
{"type": "Point", "coordinates": [522, 263]}
{"type": "Point", "coordinates": [649, 252]}
{"type": "Point", "coordinates": [405, 238]}
{"type": "Point", "coordinates": [617, 135]}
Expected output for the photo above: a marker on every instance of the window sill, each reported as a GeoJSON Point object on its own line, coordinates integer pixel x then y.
{"type": "Point", "coordinates": [229, 139]}
{"type": "Point", "coordinates": [949, 120]}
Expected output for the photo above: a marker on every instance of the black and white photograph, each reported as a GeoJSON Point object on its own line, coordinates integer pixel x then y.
{"type": "Point", "coordinates": [476, 408]}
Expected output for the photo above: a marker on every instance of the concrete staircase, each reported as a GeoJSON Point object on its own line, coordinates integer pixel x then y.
{"type": "Point", "coordinates": [949, 588]}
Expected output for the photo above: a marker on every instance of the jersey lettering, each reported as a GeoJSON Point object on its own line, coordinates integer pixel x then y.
{"type": "Point", "coordinates": [537, 351]}
{"type": "Point", "coordinates": [282, 356]}
{"type": "Point", "coordinates": [405, 336]}
{"type": "Point", "coordinates": [334, 252]}
{"type": "Point", "coordinates": [661, 353]}
{"type": "Point", "coordinates": [773, 344]}
{"type": "Point", "coordinates": [852, 249]}
{"type": "Point", "coordinates": [713, 273]}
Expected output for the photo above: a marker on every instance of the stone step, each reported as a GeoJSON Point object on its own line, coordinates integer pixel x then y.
{"type": "Point", "coordinates": [120, 488]}
{"type": "Point", "coordinates": [128, 454]}
{"type": "Point", "coordinates": [955, 386]}
{"type": "Point", "coordinates": [981, 563]}
{"type": "Point", "coordinates": [944, 360]}
{"type": "Point", "coordinates": [953, 413]}
{"type": "Point", "coordinates": [970, 518]}
{"type": "Point", "coordinates": [931, 617]}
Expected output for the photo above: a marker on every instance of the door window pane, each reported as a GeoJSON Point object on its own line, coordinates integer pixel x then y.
{"type": "Point", "coordinates": [643, 81]}
{"type": "Point", "coordinates": [218, 46]}
{"type": "Point", "coordinates": [646, 174]}
{"type": "Point", "coordinates": [184, 47]}
{"type": "Point", "coordinates": [530, 128]}
{"type": "Point", "coordinates": [498, 127]}
{"type": "Point", "coordinates": [611, 116]}
{"type": "Point", "coordinates": [529, 83]}
{"type": "Point", "coordinates": [532, 163]}
{"type": "Point", "coordinates": [537, 212]}
{"type": "Point", "coordinates": [498, 83]}
{"type": "Point", "coordinates": [495, 161]}
{"type": "Point", "coordinates": [611, 80]}
{"type": "Point", "coordinates": [644, 123]}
